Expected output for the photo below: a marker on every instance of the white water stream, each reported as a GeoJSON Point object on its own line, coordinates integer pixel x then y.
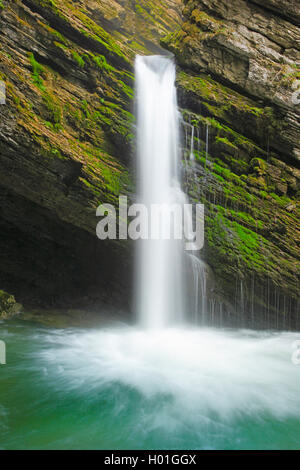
{"type": "Point", "coordinates": [159, 279]}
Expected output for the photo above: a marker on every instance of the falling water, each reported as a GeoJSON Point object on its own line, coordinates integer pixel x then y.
{"type": "Point", "coordinates": [160, 261]}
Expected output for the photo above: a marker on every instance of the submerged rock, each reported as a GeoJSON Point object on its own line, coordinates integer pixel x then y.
{"type": "Point", "coordinates": [8, 306]}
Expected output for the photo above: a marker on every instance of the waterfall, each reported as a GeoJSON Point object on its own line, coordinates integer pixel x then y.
{"type": "Point", "coordinates": [159, 271]}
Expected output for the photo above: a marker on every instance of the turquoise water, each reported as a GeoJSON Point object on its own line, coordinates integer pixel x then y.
{"type": "Point", "coordinates": [124, 388]}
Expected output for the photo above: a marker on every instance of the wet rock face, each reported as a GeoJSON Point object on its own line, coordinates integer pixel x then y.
{"type": "Point", "coordinates": [237, 82]}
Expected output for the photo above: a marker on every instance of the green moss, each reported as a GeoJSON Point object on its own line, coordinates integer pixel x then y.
{"type": "Point", "coordinates": [101, 62]}
{"type": "Point", "coordinates": [51, 5]}
{"type": "Point", "coordinates": [227, 174]}
{"type": "Point", "coordinates": [127, 89]}
{"type": "Point", "coordinates": [259, 165]}
{"type": "Point", "coordinates": [212, 91]}
{"type": "Point", "coordinates": [237, 139]}
{"type": "Point", "coordinates": [1, 5]}
{"type": "Point", "coordinates": [246, 218]}
{"type": "Point", "coordinates": [273, 124]}
{"type": "Point", "coordinates": [208, 26]}
{"type": "Point", "coordinates": [138, 8]}
{"type": "Point", "coordinates": [98, 34]}
{"type": "Point", "coordinates": [54, 109]}
{"type": "Point", "coordinates": [264, 194]}
{"type": "Point", "coordinates": [288, 74]}
{"type": "Point", "coordinates": [60, 45]}
{"type": "Point", "coordinates": [237, 165]}
{"type": "Point", "coordinates": [114, 179]}
{"type": "Point", "coordinates": [281, 200]}
{"type": "Point", "coordinates": [173, 40]}
{"type": "Point", "coordinates": [56, 152]}
{"type": "Point", "coordinates": [90, 29]}
{"type": "Point", "coordinates": [142, 11]}
{"type": "Point", "coordinates": [234, 242]}
{"type": "Point", "coordinates": [218, 177]}
{"type": "Point", "coordinates": [56, 34]}
{"type": "Point", "coordinates": [136, 46]}
{"type": "Point", "coordinates": [222, 105]}
{"type": "Point", "coordinates": [249, 244]}
{"type": "Point", "coordinates": [225, 141]}
{"type": "Point", "coordinates": [203, 19]}
{"type": "Point", "coordinates": [103, 117]}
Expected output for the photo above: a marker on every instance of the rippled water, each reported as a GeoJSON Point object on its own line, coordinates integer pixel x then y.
{"type": "Point", "coordinates": [124, 388]}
